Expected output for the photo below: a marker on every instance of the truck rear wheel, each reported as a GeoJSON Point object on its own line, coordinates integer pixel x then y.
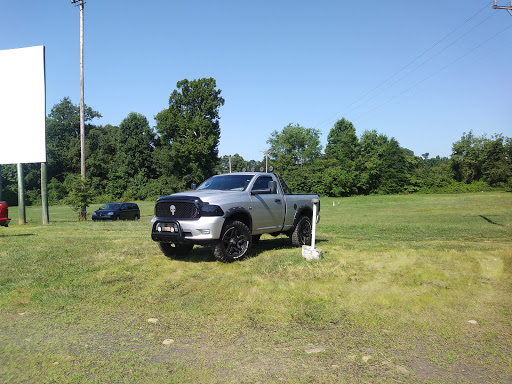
{"type": "Point", "coordinates": [174, 249]}
{"type": "Point", "coordinates": [234, 243]}
{"type": "Point", "coordinates": [302, 233]}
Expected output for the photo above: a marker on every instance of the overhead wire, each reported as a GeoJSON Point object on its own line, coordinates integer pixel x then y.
{"type": "Point", "coordinates": [435, 73]}
{"type": "Point", "coordinates": [425, 62]}
{"type": "Point", "coordinates": [407, 65]}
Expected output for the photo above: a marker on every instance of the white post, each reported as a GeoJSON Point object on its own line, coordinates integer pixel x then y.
{"type": "Point", "coordinates": [313, 231]}
{"type": "Point", "coordinates": [309, 252]}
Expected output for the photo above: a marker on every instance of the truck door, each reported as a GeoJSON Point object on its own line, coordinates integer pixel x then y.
{"type": "Point", "coordinates": [267, 208]}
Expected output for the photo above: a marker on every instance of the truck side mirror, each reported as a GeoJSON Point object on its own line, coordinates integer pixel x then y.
{"type": "Point", "coordinates": [272, 185]}
{"type": "Point", "coordinates": [193, 186]}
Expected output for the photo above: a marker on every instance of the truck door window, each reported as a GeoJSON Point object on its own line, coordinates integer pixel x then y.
{"type": "Point", "coordinates": [262, 182]}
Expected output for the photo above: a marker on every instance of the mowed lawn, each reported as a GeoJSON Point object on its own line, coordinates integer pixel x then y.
{"type": "Point", "coordinates": [411, 289]}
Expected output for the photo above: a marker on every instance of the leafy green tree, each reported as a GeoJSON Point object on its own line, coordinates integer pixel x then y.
{"type": "Point", "coordinates": [482, 159]}
{"type": "Point", "coordinates": [135, 145]}
{"type": "Point", "coordinates": [10, 184]}
{"type": "Point", "coordinates": [63, 138]}
{"type": "Point", "coordinates": [466, 159]}
{"type": "Point", "coordinates": [294, 145]}
{"type": "Point", "coordinates": [394, 171]}
{"type": "Point", "coordinates": [369, 164]}
{"type": "Point", "coordinates": [237, 164]}
{"type": "Point", "coordinates": [427, 174]}
{"type": "Point", "coordinates": [338, 181]}
{"type": "Point", "coordinates": [189, 131]}
{"type": "Point", "coordinates": [101, 149]}
{"type": "Point", "coordinates": [496, 165]}
{"type": "Point", "coordinates": [79, 194]}
{"type": "Point", "coordinates": [342, 143]}
{"type": "Point", "coordinates": [341, 152]}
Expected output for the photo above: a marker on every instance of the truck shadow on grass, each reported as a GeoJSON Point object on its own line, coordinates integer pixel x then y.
{"type": "Point", "coordinates": [204, 254]}
{"type": "Point", "coordinates": [274, 244]}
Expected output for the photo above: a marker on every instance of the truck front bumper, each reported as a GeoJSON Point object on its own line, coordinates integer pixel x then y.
{"type": "Point", "coordinates": [203, 230]}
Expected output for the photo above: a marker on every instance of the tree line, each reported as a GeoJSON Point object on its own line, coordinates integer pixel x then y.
{"type": "Point", "coordinates": [133, 161]}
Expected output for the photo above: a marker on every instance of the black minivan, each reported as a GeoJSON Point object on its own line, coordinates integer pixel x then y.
{"type": "Point", "coordinates": [117, 211]}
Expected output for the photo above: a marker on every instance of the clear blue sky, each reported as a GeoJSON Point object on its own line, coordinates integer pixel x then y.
{"type": "Point", "coordinates": [280, 62]}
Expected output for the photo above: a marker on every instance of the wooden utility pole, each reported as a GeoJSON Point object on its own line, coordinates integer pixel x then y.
{"type": "Point", "coordinates": [508, 8]}
{"type": "Point", "coordinates": [83, 212]}
{"type": "Point", "coordinates": [21, 196]}
{"type": "Point", "coordinates": [266, 159]}
{"type": "Point", "coordinates": [44, 193]}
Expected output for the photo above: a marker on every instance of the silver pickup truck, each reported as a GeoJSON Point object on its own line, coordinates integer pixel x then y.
{"type": "Point", "coordinates": [229, 212]}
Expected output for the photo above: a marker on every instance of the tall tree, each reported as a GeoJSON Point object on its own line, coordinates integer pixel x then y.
{"type": "Point", "coordinates": [136, 142]}
{"type": "Point", "coordinates": [395, 170]}
{"type": "Point", "coordinates": [101, 148]}
{"type": "Point", "coordinates": [295, 145]}
{"type": "Point", "coordinates": [466, 159]}
{"type": "Point", "coordinates": [369, 163]}
{"type": "Point", "coordinates": [189, 131]}
{"type": "Point", "coordinates": [63, 137]}
{"type": "Point", "coordinates": [341, 153]}
{"type": "Point", "coordinates": [497, 164]}
{"type": "Point", "coordinates": [342, 143]}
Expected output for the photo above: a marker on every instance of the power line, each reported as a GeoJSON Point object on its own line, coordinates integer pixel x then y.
{"type": "Point", "coordinates": [414, 60]}
{"type": "Point", "coordinates": [435, 73]}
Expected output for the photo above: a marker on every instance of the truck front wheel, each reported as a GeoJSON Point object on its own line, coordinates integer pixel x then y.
{"type": "Point", "coordinates": [234, 243]}
{"type": "Point", "coordinates": [302, 233]}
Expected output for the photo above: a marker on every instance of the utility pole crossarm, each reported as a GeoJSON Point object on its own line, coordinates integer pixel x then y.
{"type": "Point", "coordinates": [508, 8]}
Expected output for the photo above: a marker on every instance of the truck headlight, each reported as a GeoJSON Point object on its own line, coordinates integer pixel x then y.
{"type": "Point", "coordinates": [211, 210]}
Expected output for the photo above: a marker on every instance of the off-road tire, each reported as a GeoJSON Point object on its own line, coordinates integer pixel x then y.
{"type": "Point", "coordinates": [174, 250]}
{"type": "Point", "coordinates": [234, 243]}
{"type": "Point", "coordinates": [301, 235]}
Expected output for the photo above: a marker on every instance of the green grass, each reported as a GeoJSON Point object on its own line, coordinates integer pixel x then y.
{"type": "Point", "coordinates": [391, 301]}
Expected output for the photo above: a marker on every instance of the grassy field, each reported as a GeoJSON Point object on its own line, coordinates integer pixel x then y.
{"type": "Point", "coordinates": [411, 289]}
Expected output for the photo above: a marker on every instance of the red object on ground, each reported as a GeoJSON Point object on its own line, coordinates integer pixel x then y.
{"type": "Point", "coordinates": [4, 213]}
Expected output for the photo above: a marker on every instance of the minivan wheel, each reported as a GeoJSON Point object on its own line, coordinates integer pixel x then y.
{"type": "Point", "coordinates": [234, 243]}
{"type": "Point", "coordinates": [175, 250]}
{"type": "Point", "coordinates": [302, 233]}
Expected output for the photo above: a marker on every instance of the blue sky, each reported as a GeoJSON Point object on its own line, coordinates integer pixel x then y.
{"type": "Point", "coordinates": [422, 72]}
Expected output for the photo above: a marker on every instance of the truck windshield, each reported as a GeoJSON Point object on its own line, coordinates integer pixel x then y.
{"type": "Point", "coordinates": [227, 182]}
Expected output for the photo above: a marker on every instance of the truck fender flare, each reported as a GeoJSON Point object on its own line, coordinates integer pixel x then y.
{"type": "Point", "coordinates": [242, 214]}
{"type": "Point", "coordinates": [301, 211]}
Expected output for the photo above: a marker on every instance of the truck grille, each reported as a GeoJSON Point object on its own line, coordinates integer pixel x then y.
{"type": "Point", "coordinates": [182, 210]}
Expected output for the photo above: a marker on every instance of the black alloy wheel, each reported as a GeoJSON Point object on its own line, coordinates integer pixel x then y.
{"type": "Point", "coordinates": [235, 242]}
{"type": "Point", "coordinates": [302, 233]}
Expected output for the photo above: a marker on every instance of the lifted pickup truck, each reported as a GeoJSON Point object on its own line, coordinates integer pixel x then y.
{"type": "Point", "coordinates": [4, 213]}
{"type": "Point", "coordinates": [229, 212]}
